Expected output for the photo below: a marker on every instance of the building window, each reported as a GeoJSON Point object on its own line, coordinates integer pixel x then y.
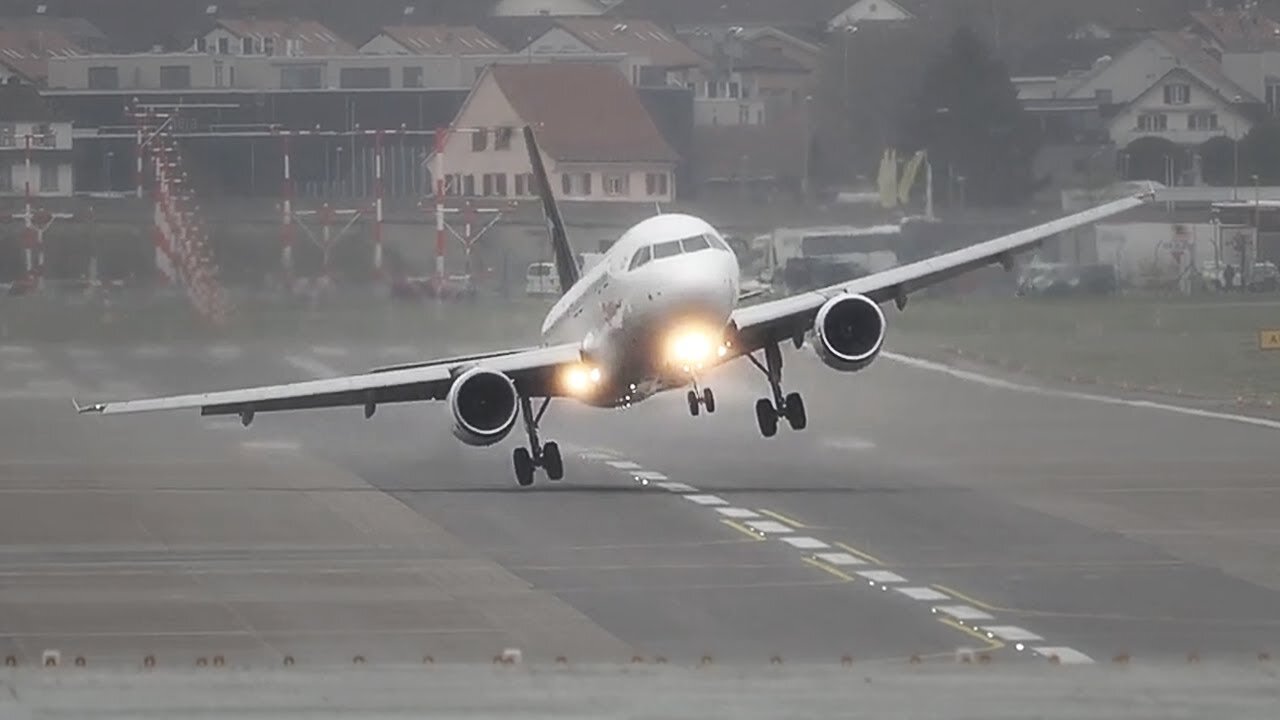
{"type": "Point", "coordinates": [217, 74]}
{"type": "Point", "coordinates": [566, 184]}
{"type": "Point", "coordinates": [495, 184]}
{"type": "Point", "coordinates": [299, 77]}
{"type": "Point", "coordinates": [1177, 94]}
{"type": "Point", "coordinates": [479, 140]}
{"type": "Point", "coordinates": [224, 46]}
{"type": "Point", "coordinates": [469, 185]}
{"type": "Point", "coordinates": [411, 77]}
{"type": "Point", "coordinates": [373, 77]}
{"type": "Point", "coordinates": [202, 45]}
{"type": "Point", "coordinates": [48, 177]}
{"type": "Point", "coordinates": [744, 114]}
{"type": "Point", "coordinates": [175, 76]}
{"type": "Point", "coordinates": [8, 135]}
{"type": "Point", "coordinates": [586, 183]}
{"type": "Point", "coordinates": [6, 178]}
{"type": "Point", "coordinates": [614, 185]}
{"type": "Point", "coordinates": [1202, 121]}
{"type": "Point", "coordinates": [268, 46]}
{"type": "Point", "coordinates": [655, 183]}
{"type": "Point", "coordinates": [1153, 122]}
{"type": "Point", "coordinates": [735, 90]}
{"type": "Point", "coordinates": [246, 46]}
{"type": "Point", "coordinates": [502, 138]}
{"type": "Point", "coordinates": [525, 184]}
{"type": "Point", "coordinates": [104, 78]}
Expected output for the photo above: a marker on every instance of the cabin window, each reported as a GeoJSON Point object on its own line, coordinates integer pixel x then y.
{"type": "Point", "coordinates": [716, 242]}
{"type": "Point", "coordinates": [642, 256]}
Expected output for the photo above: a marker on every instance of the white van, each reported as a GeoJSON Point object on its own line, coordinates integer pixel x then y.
{"type": "Point", "coordinates": [541, 279]}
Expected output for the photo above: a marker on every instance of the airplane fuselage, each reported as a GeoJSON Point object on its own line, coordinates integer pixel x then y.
{"type": "Point", "coordinates": [669, 279]}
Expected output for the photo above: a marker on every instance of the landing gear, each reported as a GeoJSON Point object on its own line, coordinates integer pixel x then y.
{"type": "Point", "coordinates": [700, 399]}
{"type": "Point", "coordinates": [791, 407]}
{"type": "Point", "coordinates": [537, 455]}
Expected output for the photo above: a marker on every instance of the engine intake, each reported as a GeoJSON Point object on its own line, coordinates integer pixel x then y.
{"type": "Point", "coordinates": [484, 406]}
{"type": "Point", "coordinates": [849, 332]}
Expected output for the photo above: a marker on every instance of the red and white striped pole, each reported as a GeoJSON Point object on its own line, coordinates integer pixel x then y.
{"type": "Point", "coordinates": [28, 224]}
{"type": "Point", "coordinates": [377, 202]}
{"type": "Point", "coordinates": [286, 230]}
{"type": "Point", "coordinates": [439, 173]}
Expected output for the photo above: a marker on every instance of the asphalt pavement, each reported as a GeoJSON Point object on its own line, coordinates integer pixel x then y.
{"type": "Point", "coordinates": [920, 514]}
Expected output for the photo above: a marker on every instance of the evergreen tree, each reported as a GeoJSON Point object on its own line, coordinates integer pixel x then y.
{"type": "Point", "coordinates": [967, 115]}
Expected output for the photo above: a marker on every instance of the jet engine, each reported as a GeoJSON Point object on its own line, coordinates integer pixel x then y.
{"type": "Point", "coordinates": [484, 406]}
{"type": "Point", "coordinates": [849, 332]}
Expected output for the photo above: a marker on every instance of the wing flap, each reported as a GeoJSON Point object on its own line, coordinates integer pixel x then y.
{"type": "Point", "coordinates": [533, 371]}
{"type": "Point", "coordinates": [757, 323]}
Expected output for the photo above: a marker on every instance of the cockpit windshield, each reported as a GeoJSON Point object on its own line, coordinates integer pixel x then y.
{"type": "Point", "coordinates": [671, 248]}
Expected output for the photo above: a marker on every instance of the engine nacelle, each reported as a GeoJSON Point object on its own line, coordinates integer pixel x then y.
{"type": "Point", "coordinates": [849, 332]}
{"type": "Point", "coordinates": [484, 406]}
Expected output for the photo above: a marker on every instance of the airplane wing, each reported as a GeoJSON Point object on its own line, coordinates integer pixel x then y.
{"type": "Point", "coordinates": [790, 317]}
{"type": "Point", "coordinates": [533, 370]}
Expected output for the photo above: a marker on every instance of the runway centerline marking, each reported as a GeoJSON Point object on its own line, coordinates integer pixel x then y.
{"type": "Point", "coordinates": [782, 528]}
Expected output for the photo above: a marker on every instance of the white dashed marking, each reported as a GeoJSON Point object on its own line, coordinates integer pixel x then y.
{"type": "Point", "coordinates": [805, 543]}
{"type": "Point", "coordinates": [1066, 655]}
{"type": "Point", "coordinates": [882, 576]}
{"type": "Point", "coordinates": [740, 513]}
{"type": "Point", "coordinates": [649, 475]}
{"type": "Point", "coordinates": [310, 366]}
{"type": "Point", "coordinates": [1012, 633]}
{"type": "Point", "coordinates": [849, 443]}
{"type": "Point", "coordinates": [769, 526]}
{"type": "Point", "coordinates": [923, 593]}
{"type": "Point", "coordinates": [152, 351]}
{"type": "Point", "coordinates": [677, 487]}
{"type": "Point", "coordinates": [964, 612]}
{"type": "Point", "coordinates": [595, 456]}
{"type": "Point", "coordinates": [706, 499]}
{"type": "Point", "coordinates": [623, 464]}
{"type": "Point", "coordinates": [840, 559]}
{"type": "Point", "coordinates": [272, 445]}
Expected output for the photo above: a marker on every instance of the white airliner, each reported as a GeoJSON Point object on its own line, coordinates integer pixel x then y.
{"type": "Point", "coordinates": [658, 312]}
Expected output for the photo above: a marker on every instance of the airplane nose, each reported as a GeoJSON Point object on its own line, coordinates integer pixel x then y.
{"type": "Point", "coordinates": [701, 289]}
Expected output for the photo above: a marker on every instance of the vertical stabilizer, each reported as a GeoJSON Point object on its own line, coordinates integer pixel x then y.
{"type": "Point", "coordinates": [566, 265]}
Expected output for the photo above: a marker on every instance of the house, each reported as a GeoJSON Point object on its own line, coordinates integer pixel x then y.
{"type": "Point", "coordinates": [794, 47]}
{"type": "Point", "coordinates": [23, 115]}
{"type": "Point", "coordinates": [432, 40]}
{"type": "Point", "coordinates": [686, 15]}
{"type": "Point", "coordinates": [25, 55]}
{"type": "Point", "coordinates": [271, 37]}
{"type": "Point", "coordinates": [653, 54]}
{"type": "Point", "coordinates": [742, 82]}
{"type": "Point", "coordinates": [870, 11]}
{"type": "Point", "coordinates": [1248, 44]}
{"type": "Point", "coordinates": [82, 33]}
{"type": "Point", "coordinates": [599, 143]}
{"type": "Point", "coordinates": [547, 8]}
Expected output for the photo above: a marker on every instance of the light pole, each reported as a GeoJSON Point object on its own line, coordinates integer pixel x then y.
{"type": "Point", "coordinates": [1235, 150]}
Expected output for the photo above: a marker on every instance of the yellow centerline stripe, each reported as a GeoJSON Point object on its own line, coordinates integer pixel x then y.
{"type": "Point", "coordinates": [992, 643]}
{"type": "Point", "coordinates": [828, 569]}
{"type": "Point", "coordinates": [743, 529]}
{"type": "Point", "coordinates": [971, 600]}
{"type": "Point", "coordinates": [782, 518]}
{"type": "Point", "coordinates": [864, 555]}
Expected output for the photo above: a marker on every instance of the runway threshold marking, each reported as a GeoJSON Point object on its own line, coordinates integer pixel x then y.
{"type": "Point", "coordinates": [964, 618]}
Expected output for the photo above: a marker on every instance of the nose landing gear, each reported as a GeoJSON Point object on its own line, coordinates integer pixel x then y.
{"type": "Point", "coordinates": [791, 407]}
{"type": "Point", "coordinates": [537, 455]}
{"type": "Point", "coordinates": [698, 400]}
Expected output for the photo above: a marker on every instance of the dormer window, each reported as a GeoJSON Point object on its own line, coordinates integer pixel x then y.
{"type": "Point", "coordinates": [1177, 94]}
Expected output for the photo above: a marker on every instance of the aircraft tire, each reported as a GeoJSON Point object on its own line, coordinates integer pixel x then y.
{"type": "Point", "coordinates": [796, 416]}
{"type": "Point", "coordinates": [708, 400]}
{"type": "Point", "coordinates": [694, 406]}
{"type": "Point", "coordinates": [766, 417]}
{"type": "Point", "coordinates": [524, 466]}
{"type": "Point", "coordinates": [552, 462]}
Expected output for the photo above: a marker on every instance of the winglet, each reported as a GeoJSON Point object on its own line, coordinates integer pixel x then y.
{"type": "Point", "coordinates": [86, 409]}
{"type": "Point", "coordinates": [566, 265]}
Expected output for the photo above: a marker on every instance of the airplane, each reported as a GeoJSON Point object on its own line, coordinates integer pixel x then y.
{"type": "Point", "coordinates": [657, 313]}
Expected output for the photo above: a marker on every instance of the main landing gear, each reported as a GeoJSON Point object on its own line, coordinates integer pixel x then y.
{"type": "Point", "coordinates": [537, 455]}
{"type": "Point", "coordinates": [790, 407]}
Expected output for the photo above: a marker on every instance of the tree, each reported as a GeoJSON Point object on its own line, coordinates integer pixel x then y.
{"type": "Point", "coordinates": [1218, 159]}
{"type": "Point", "coordinates": [1148, 158]}
{"type": "Point", "coordinates": [1260, 153]}
{"type": "Point", "coordinates": [967, 115]}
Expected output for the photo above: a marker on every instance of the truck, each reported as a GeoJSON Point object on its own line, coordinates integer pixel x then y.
{"type": "Point", "coordinates": [804, 258]}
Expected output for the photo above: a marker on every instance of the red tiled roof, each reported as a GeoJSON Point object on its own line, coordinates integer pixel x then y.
{"type": "Point", "coordinates": [583, 112]}
{"type": "Point", "coordinates": [633, 37]}
{"type": "Point", "coordinates": [1203, 64]}
{"type": "Point", "coordinates": [28, 53]}
{"type": "Point", "coordinates": [444, 39]}
{"type": "Point", "coordinates": [312, 37]}
{"type": "Point", "coordinates": [1239, 30]}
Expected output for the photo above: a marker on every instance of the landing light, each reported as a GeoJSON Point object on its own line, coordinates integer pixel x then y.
{"type": "Point", "coordinates": [580, 379]}
{"type": "Point", "coordinates": [692, 347]}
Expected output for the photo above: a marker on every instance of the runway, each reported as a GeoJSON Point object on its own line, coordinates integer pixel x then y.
{"type": "Point", "coordinates": [919, 513]}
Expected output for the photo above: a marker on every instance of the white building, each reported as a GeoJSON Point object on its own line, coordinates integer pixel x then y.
{"type": "Point", "coordinates": [24, 115]}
